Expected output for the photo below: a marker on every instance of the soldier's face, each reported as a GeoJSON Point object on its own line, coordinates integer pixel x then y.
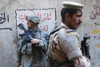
{"type": "Point", "coordinates": [34, 25]}
{"type": "Point", "coordinates": [75, 20]}
{"type": "Point", "coordinates": [31, 24]}
{"type": "Point", "coordinates": [28, 24]}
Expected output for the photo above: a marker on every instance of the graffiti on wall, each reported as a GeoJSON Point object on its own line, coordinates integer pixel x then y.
{"type": "Point", "coordinates": [47, 17]}
{"type": "Point", "coordinates": [4, 18]}
{"type": "Point", "coordinates": [95, 13]}
{"type": "Point", "coordinates": [95, 31]}
{"type": "Point", "coordinates": [93, 16]}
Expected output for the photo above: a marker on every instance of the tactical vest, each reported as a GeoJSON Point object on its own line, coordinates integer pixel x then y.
{"type": "Point", "coordinates": [55, 53]}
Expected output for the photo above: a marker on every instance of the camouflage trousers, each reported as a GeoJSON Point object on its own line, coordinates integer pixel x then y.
{"type": "Point", "coordinates": [29, 61]}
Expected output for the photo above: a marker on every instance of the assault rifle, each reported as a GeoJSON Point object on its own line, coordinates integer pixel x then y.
{"type": "Point", "coordinates": [28, 33]}
{"type": "Point", "coordinates": [85, 47]}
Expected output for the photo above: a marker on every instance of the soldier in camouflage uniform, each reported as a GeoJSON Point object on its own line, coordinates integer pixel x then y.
{"type": "Point", "coordinates": [64, 49]}
{"type": "Point", "coordinates": [32, 54]}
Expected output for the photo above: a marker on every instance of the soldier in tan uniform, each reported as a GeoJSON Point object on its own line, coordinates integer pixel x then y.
{"type": "Point", "coordinates": [64, 48]}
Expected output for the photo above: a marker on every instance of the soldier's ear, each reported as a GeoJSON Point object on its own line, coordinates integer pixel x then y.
{"type": "Point", "coordinates": [67, 17]}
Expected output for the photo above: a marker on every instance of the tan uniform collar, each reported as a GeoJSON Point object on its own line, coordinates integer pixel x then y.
{"type": "Point", "coordinates": [62, 24]}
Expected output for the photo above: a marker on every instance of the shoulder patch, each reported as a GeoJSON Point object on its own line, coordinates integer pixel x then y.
{"type": "Point", "coordinates": [69, 30]}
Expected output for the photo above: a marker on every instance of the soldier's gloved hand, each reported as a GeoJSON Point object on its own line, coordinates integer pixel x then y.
{"type": "Point", "coordinates": [35, 41]}
{"type": "Point", "coordinates": [18, 64]}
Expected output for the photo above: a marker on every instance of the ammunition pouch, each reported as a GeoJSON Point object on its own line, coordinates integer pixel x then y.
{"type": "Point", "coordinates": [26, 49]}
{"type": "Point", "coordinates": [29, 48]}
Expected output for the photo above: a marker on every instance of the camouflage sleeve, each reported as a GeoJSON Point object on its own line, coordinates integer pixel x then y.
{"type": "Point", "coordinates": [43, 41]}
{"type": "Point", "coordinates": [19, 55]}
{"type": "Point", "coordinates": [69, 44]}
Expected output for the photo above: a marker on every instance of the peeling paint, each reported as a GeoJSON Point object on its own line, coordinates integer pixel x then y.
{"type": "Point", "coordinates": [91, 25]}
{"type": "Point", "coordinates": [95, 31]}
{"type": "Point", "coordinates": [97, 46]}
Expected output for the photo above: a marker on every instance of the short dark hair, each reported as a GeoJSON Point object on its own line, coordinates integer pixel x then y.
{"type": "Point", "coordinates": [69, 11]}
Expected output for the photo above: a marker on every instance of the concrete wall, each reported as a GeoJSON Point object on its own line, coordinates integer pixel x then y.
{"type": "Point", "coordinates": [8, 29]}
